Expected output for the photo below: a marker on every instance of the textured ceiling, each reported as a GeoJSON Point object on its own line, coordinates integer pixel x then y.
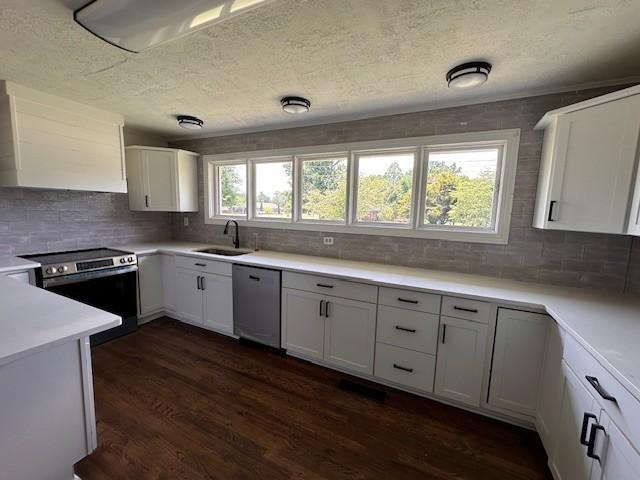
{"type": "Point", "coordinates": [352, 58]}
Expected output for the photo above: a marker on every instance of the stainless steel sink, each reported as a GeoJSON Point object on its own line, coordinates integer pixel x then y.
{"type": "Point", "coordinates": [227, 252]}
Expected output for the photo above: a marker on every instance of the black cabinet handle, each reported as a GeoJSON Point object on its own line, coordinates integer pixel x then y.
{"type": "Point", "coordinates": [253, 277]}
{"type": "Point", "coordinates": [324, 285]}
{"type": "Point", "coordinates": [465, 309]}
{"type": "Point", "coordinates": [326, 309]}
{"type": "Point", "coordinates": [146, 200]}
{"type": "Point", "coordinates": [592, 442]}
{"type": "Point", "coordinates": [321, 303]}
{"type": "Point", "coordinates": [198, 282]}
{"type": "Point", "coordinates": [598, 388]}
{"type": "Point", "coordinates": [406, 300]}
{"type": "Point", "coordinates": [200, 264]}
{"type": "Point", "coordinates": [585, 426]}
{"type": "Point", "coordinates": [404, 369]}
{"type": "Point", "coordinates": [551, 205]}
{"type": "Point", "coordinates": [405, 329]}
{"type": "Point", "coordinates": [203, 285]}
{"type": "Point", "coordinates": [444, 332]}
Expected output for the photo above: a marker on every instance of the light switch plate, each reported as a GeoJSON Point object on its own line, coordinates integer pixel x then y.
{"type": "Point", "coordinates": [327, 240]}
{"type": "Point", "coordinates": [186, 221]}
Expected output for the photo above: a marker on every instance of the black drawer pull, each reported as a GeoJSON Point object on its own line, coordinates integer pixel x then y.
{"type": "Point", "coordinates": [200, 264]}
{"type": "Point", "coordinates": [551, 205]}
{"type": "Point", "coordinates": [465, 309]}
{"type": "Point", "coordinates": [592, 442]}
{"type": "Point", "coordinates": [253, 277]}
{"type": "Point", "coordinates": [601, 391]}
{"type": "Point", "coordinates": [324, 285]}
{"type": "Point", "coordinates": [406, 300]}
{"type": "Point", "coordinates": [404, 369]}
{"type": "Point", "coordinates": [585, 426]}
{"type": "Point", "coordinates": [405, 329]}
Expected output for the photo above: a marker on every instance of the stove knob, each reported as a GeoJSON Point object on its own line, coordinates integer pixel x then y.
{"type": "Point", "coordinates": [130, 259]}
{"type": "Point", "coordinates": [123, 260]}
{"type": "Point", "coordinates": [61, 269]}
{"type": "Point", "coordinates": [50, 271]}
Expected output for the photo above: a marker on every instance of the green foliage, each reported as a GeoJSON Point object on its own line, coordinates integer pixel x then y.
{"type": "Point", "coordinates": [324, 189]}
{"type": "Point", "coordinates": [385, 198]}
{"type": "Point", "coordinates": [231, 195]}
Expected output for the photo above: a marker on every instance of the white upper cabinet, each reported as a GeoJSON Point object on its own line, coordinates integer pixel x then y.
{"type": "Point", "coordinates": [162, 179]}
{"type": "Point", "coordinates": [589, 157]}
{"type": "Point", "coordinates": [51, 142]}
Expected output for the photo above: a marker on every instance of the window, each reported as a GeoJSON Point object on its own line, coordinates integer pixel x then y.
{"type": "Point", "coordinates": [450, 187]}
{"type": "Point", "coordinates": [385, 187]}
{"type": "Point", "coordinates": [232, 190]}
{"type": "Point", "coordinates": [323, 188]}
{"type": "Point", "coordinates": [461, 186]}
{"type": "Point", "coordinates": [273, 189]}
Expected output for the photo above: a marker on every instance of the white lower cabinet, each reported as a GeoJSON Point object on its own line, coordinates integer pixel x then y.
{"type": "Point", "coordinates": [460, 360]}
{"type": "Point", "coordinates": [189, 304]}
{"type": "Point", "coordinates": [336, 330]}
{"type": "Point", "coordinates": [168, 263]}
{"type": "Point", "coordinates": [617, 457]}
{"type": "Point", "coordinates": [569, 460]}
{"type": "Point", "coordinates": [350, 334]}
{"type": "Point", "coordinates": [217, 293]}
{"type": "Point", "coordinates": [516, 369]}
{"type": "Point", "coordinates": [405, 367]}
{"type": "Point", "coordinates": [550, 392]}
{"type": "Point", "coordinates": [150, 288]}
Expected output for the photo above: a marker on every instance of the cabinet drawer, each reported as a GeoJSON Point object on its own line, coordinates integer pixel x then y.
{"type": "Point", "coordinates": [473, 310]}
{"type": "Point", "coordinates": [625, 410]}
{"type": "Point", "coordinates": [330, 286]}
{"type": "Point", "coordinates": [420, 301]}
{"type": "Point", "coordinates": [405, 367]}
{"type": "Point", "coordinates": [408, 329]}
{"type": "Point", "coordinates": [203, 265]}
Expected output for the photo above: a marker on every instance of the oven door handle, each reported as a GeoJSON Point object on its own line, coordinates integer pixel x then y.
{"type": "Point", "coordinates": [81, 277]}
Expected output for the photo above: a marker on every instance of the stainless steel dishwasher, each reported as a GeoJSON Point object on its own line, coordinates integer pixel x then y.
{"type": "Point", "coordinates": [256, 304]}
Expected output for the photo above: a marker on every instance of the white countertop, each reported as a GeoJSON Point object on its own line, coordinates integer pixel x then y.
{"type": "Point", "coordinates": [606, 324]}
{"type": "Point", "coordinates": [33, 319]}
{"type": "Point", "coordinates": [9, 264]}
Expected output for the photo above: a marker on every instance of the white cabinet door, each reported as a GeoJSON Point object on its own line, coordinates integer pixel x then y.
{"type": "Point", "coordinates": [517, 360]}
{"type": "Point", "coordinates": [569, 459]}
{"type": "Point", "coordinates": [618, 459]}
{"type": "Point", "coordinates": [218, 302]}
{"type": "Point", "coordinates": [551, 383]}
{"type": "Point", "coordinates": [460, 360]}
{"type": "Point", "coordinates": [150, 284]}
{"type": "Point", "coordinates": [168, 263]}
{"type": "Point", "coordinates": [160, 172]}
{"type": "Point", "coordinates": [188, 296]}
{"type": "Point", "coordinates": [136, 180]}
{"type": "Point", "coordinates": [303, 323]}
{"type": "Point", "coordinates": [634, 213]}
{"type": "Point", "coordinates": [591, 174]}
{"type": "Point", "coordinates": [350, 333]}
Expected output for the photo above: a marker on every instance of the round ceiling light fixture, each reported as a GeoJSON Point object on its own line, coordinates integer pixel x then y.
{"type": "Point", "coordinates": [295, 105]}
{"type": "Point", "coordinates": [190, 123]}
{"type": "Point", "coordinates": [468, 75]}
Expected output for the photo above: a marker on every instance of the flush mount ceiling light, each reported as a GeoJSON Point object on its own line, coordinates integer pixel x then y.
{"type": "Point", "coordinates": [190, 123]}
{"type": "Point", "coordinates": [295, 105]}
{"type": "Point", "coordinates": [135, 25]}
{"type": "Point", "coordinates": [468, 75]}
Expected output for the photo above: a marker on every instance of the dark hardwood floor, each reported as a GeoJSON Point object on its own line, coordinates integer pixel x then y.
{"type": "Point", "coordinates": [178, 402]}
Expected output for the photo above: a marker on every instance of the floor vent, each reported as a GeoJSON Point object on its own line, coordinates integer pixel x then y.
{"type": "Point", "coordinates": [362, 390]}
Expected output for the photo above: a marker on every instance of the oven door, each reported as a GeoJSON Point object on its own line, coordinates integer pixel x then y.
{"type": "Point", "coordinates": [111, 290]}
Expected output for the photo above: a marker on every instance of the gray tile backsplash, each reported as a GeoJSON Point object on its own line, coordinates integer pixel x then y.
{"type": "Point", "coordinates": [33, 221]}
{"type": "Point", "coordinates": [562, 258]}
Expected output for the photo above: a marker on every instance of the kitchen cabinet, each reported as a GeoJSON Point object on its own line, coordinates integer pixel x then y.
{"type": "Point", "coordinates": [168, 263]}
{"type": "Point", "coordinates": [55, 143]}
{"type": "Point", "coordinates": [162, 179]}
{"type": "Point", "coordinates": [578, 413]}
{"type": "Point", "coordinates": [150, 286]}
{"type": "Point", "coordinates": [516, 368]}
{"type": "Point", "coordinates": [551, 382]}
{"type": "Point", "coordinates": [460, 360]}
{"type": "Point", "coordinates": [618, 458]}
{"type": "Point", "coordinates": [633, 227]}
{"type": "Point", "coordinates": [339, 331]}
{"type": "Point", "coordinates": [350, 333]}
{"type": "Point", "coordinates": [202, 297]}
{"type": "Point", "coordinates": [590, 152]}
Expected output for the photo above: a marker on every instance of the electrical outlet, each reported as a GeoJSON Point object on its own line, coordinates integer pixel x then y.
{"type": "Point", "coordinates": [327, 240]}
{"type": "Point", "coordinates": [186, 221]}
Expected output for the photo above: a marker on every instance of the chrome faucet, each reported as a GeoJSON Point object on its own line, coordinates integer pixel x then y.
{"type": "Point", "coordinates": [236, 240]}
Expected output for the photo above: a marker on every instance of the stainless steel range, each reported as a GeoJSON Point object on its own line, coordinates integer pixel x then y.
{"type": "Point", "coordinates": [101, 277]}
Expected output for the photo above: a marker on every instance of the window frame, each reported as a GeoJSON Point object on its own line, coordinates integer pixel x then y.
{"type": "Point", "coordinates": [213, 202]}
{"type": "Point", "coordinates": [252, 167]}
{"type": "Point", "coordinates": [503, 195]}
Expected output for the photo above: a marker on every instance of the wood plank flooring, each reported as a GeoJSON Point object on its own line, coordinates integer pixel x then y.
{"type": "Point", "coordinates": [178, 402]}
